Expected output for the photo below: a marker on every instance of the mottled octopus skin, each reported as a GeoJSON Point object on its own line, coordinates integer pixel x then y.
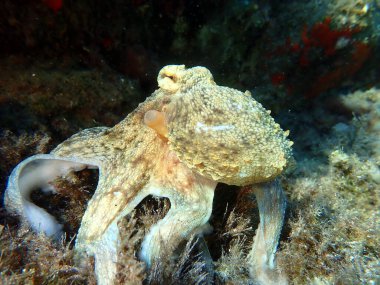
{"type": "Point", "coordinates": [223, 133]}
{"type": "Point", "coordinates": [186, 137]}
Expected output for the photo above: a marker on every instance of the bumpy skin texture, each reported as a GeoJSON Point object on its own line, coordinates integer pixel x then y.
{"type": "Point", "coordinates": [220, 132]}
{"type": "Point", "coordinates": [187, 136]}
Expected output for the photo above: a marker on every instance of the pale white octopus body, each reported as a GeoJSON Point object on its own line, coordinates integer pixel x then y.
{"type": "Point", "coordinates": [184, 139]}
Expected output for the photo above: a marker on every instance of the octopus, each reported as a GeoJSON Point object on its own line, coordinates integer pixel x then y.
{"type": "Point", "coordinates": [189, 135]}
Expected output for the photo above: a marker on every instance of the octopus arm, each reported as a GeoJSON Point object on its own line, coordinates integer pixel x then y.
{"type": "Point", "coordinates": [190, 210]}
{"type": "Point", "coordinates": [271, 201]}
{"type": "Point", "coordinates": [187, 215]}
{"type": "Point", "coordinates": [37, 172]}
{"type": "Point", "coordinates": [83, 150]}
{"type": "Point", "coordinates": [98, 234]}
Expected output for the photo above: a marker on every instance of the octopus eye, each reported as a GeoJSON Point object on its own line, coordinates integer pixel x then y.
{"type": "Point", "coordinates": [169, 77]}
{"type": "Point", "coordinates": [173, 78]}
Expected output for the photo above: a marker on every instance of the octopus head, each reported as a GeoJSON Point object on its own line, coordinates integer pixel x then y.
{"type": "Point", "coordinates": [219, 132]}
